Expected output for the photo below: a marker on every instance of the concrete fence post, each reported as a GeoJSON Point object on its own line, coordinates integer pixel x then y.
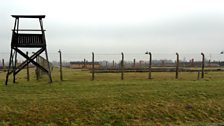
{"type": "Point", "coordinates": [27, 69]}
{"type": "Point", "coordinates": [122, 66]}
{"type": "Point", "coordinates": [202, 65]}
{"type": "Point", "coordinates": [150, 64]}
{"type": "Point", "coordinates": [84, 64]}
{"type": "Point", "coordinates": [133, 63]}
{"type": "Point", "coordinates": [60, 58]}
{"type": "Point", "coordinates": [177, 66]}
{"type": "Point", "coordinates": [3, 65]}
{"type": "Point", "coordinates": [93, 67]}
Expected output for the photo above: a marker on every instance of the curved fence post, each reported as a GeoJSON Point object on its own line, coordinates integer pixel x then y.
{"type": "Point", "coordinates": [61, 75]}
{"type": "Point", "coordinates": [202, 65]}
{"type": "Point", "coordinates": [93, 67]}
{"type": "Point", "coordinates": [150, 64]}
{"type": "Point", "coordinates": [177, 66]}
{"type": "Point", "coordinates": [122, 66]}
{"type": "Point", "coordinates": [3, 65]}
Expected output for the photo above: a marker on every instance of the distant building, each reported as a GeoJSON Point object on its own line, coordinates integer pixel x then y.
{"type": "Point", "coordinates": [80, 65]}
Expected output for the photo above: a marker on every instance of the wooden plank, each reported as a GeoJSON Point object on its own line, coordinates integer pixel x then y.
{"type": "Point", "coordinates": [28, 30]}
{"type": "Point", "coordinates": [28, 16]}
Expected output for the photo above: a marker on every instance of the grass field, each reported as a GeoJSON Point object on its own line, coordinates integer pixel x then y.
{"type": "Point", "coordinates": [110, 101]}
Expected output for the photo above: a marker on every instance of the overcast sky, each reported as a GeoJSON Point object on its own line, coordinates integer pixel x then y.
{"type": "Point", "coordinates": [131, 26]}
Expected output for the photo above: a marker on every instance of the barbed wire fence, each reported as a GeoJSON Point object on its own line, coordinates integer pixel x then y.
{"type": "Point", "coordinates": [134, 64]}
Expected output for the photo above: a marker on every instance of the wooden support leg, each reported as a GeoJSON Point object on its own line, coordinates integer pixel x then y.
{"type": "Point", "coordinates": [9, 66]}
{"type": "Point", "coordinates": [14, 68]}
{"type": "Point", "coordinates": [49, 69]}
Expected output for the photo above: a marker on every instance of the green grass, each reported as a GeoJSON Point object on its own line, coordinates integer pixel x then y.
{"type": "Point", "coordinates": [110, 101]}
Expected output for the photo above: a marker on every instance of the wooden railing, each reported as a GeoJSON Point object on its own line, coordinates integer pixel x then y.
{"type": "Point", "coordinates": [28, 40]}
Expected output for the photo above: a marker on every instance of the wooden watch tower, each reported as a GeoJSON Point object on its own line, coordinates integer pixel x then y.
{"type": "Point", "coordinates": [27, 38]}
